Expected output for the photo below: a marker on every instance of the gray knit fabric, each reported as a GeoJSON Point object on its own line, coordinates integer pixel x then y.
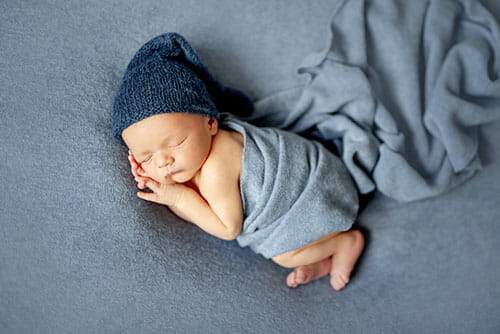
{"type": "Point", "coordinates": [402, 87]}
{"type": "Point", "coordinates": [81, 254]}
{"type": "Point", "coordinates": [294, 191]}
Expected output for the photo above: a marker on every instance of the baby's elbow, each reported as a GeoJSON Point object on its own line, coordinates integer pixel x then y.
{"type": "Point", "coordinates": [230, 237]}
{"type": "Point", "coordinates": [233, 233]}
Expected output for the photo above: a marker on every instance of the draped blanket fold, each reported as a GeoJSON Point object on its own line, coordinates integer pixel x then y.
{"type": "Point", "coordinates": [400, 88]}
{"type": "Point", "coordinates": [293, 190]}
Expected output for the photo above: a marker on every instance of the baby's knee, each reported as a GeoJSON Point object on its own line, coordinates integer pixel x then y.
{"type": "Point", "coordinates": [356, 236]}
{"type": "Point", "coordinates": [353, 238]}
{"type": "Point", "coordinates": [284, 260]}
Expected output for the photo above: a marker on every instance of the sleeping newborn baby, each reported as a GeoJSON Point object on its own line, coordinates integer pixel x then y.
{"type": "Point", "coordinates": [287, 198]}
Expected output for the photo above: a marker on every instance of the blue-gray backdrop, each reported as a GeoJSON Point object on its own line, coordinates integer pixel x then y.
{"type": "Point", "coordinates": [80, 253]}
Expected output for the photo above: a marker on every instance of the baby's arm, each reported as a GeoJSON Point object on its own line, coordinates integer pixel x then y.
{"type": "Point", "coordinates": [185, 203]}
{"type": "Point", "coordinates": [194, 208]}
{"type": "Point", "coordinates": [220, 188]}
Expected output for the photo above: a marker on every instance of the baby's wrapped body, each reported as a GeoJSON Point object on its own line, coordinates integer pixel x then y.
{"type": "Point", "coordinates": [294, 191]}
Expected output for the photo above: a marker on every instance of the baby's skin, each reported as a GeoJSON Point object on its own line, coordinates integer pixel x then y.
{"type": "Point", "coordinates": [194, 168]}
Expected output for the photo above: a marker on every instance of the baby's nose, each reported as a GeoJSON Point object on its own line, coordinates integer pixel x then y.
{"type": "Point", "coordinates": [164, 161]}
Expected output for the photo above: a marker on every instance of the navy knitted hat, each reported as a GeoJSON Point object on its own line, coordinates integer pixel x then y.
{"type": "Point", "coordinates": [165, 76]}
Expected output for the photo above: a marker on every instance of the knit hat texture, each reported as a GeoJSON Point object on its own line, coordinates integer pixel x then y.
{"type": "Point", "coordinates": [165, 76]}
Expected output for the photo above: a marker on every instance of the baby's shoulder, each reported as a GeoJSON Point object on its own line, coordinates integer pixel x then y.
{"type": "Point", "coordinates": [225, 156]}
{"type": "Point", "coordinates": [227, 146]}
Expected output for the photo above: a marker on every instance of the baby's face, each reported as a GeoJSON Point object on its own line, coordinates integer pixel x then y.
{"type": "Point", "coordinates": [171, 147]}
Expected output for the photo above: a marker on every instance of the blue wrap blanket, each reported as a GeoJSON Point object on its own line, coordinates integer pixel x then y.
{"type": "Point", "coordinates": [401, 88]}
{"type": "Point", "coordinates": [293, 190]}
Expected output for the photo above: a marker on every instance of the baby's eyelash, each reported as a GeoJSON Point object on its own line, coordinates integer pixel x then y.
{"type": "Point", "coordinates": [146, 160]}
{"type": "Point", "coordinates": [180, 143]}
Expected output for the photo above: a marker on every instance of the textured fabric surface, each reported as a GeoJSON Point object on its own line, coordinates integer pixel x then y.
{"type": "Point", "coordinates": [401, 87]}
{"type": "Point", "coordinates": [80, 253]}
{"type": "Point", "coordinates": [294, 191]}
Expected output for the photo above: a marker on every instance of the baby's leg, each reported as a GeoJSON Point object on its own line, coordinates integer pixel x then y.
{"type": "Point", "coordinates": [312, 261]}
{"type": "Point", "coordinates": [349, 248]}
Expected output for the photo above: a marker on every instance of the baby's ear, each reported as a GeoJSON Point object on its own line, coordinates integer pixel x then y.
{"type": "Point", "coordinates": [213, 125]}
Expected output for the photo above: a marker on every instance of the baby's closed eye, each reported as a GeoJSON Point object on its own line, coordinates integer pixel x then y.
{"type": "Point", "coordinates": [179, 143]}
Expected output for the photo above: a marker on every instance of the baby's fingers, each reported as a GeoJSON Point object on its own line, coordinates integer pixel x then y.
{"type": "Point", "coordinates": [133, 164]}
{"type": "Point", "coordinates": [141, 184]}
{"type": "Point", "coordinates": [141, 181]}
{"type": "Point", "coordinates": [152, 197]}
{"type": "Point", "coordinates": [135, 167]}
{"type": "Point", "coordinates": [141, 171]}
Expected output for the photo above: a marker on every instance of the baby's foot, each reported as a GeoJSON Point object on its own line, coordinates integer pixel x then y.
{"type": "Point", "coordinates": [307, 273]}
{"type": "Point", "coordinates": [350, 247]}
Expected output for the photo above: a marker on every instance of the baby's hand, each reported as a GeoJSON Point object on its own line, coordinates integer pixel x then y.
{"type": "Point", "coordinates": [136, 171]}
{"type": "Point", "coordinates": [168, 194]}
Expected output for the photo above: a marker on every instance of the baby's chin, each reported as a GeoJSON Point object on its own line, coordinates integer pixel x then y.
{"type": "Point", "coordinates": [178, 178]}
{"type": "Point", "coordinates": [168, 181]}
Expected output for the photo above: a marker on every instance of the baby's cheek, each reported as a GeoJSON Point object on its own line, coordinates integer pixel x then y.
{"type": "Point", "coordinates": [150, 172]}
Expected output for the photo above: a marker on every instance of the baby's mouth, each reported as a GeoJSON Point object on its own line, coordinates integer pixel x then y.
{"type": "Point", "coordinates": [170, 173]}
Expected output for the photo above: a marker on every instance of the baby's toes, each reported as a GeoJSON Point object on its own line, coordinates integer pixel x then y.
{"type": "Point", "coordinates": [291, 279]}
{"type": "Point", "coordinates": [339, 280]}
{"type": "Point", "coordinates": [301, 275]}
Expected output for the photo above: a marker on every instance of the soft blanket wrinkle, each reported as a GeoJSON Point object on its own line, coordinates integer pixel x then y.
{"type": "Point", "coordinates": [400, 88]}
{"type": "Point", "coordinates": [294, 191]}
